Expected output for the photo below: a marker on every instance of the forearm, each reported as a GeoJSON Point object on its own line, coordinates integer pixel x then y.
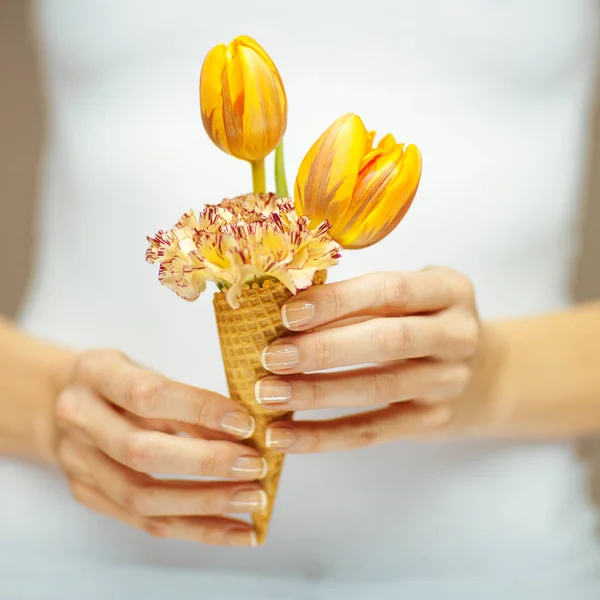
{"type": "Point", "coordinates": [32, 374]}
{"type": "Point", "coordinates": [547, 380]}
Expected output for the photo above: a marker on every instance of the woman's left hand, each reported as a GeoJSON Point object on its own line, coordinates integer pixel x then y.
{"type": "Point", "coordinates": [415, 340]}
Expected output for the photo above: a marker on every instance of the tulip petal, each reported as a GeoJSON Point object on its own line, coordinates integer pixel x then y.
{"type": "Point", "coordinates": [242, 99]}
{"type": "Point", "coordinates": [211, 101]}
{"type": "Point", "coordinates": [369, 157]}
{"type": "Point", "coordinates": [265, 110]}
{"type": "Point", "coordinates": [233, 101]}
{"type": "Point", "coordinates": [386, 142]}
{"type": "Point", "coordinates": [383, 194]}
{"type": "Point", "coordinates": [248, 42]}
{"type": "Point", "coordinates": [328, 172]}
{"type": "Point", "coordinates": [371, 137]}
{"type": "Point", "coordinates": [252, 44]}
{"type": "Point", "coordinates": [373, 178]}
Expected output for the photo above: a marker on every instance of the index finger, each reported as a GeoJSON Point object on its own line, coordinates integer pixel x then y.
{"type": "Point", "coordinates": [377, 294]}
{"type": "Point", "coordinates": [150, 395]}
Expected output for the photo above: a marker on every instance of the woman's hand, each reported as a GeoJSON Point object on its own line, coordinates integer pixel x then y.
{"type": "Point", "coordinates": [117, 424]}
{"type": "Point", "coordinates": [415, 341]}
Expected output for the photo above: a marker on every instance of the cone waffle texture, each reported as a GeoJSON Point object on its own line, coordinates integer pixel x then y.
{"type": "Point", "coordinates": [244, 333]}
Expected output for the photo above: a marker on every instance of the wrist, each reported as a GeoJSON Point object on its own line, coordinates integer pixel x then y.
{"type": "Point", "coordinates": [487, 406]}
{"type": "Point", "coordinates": [32, 375]}
{"type": "Point", "coordinates": [56, 364]}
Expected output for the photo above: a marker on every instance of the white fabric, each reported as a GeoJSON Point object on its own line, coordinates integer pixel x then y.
{"type": "Point", "coordinates": [497, 95]}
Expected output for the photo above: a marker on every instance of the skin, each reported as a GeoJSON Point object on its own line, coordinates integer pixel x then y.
{"type": "Point", "coordinates": [439, 372]}
{"type": "Point", "coordinates": [108, 424]}
{"type": "Point", "coordinates": [437, 369]}
{"type": "Point", "coordinates": [104, 421]}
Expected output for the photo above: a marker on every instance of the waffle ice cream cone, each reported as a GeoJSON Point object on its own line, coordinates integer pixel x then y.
{"type": "Point", "coordinates": [235, 244]}
{"type": "Point", "coordinates": [244, 332]}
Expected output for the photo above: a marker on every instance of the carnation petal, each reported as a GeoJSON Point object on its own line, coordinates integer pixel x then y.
{"type": "Point", "coordinates": [241, 241]}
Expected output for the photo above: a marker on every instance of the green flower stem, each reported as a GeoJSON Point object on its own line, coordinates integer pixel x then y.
{"type": "Point", "coordinates": [259, 181]}
{"type": "Point", "coordinates": [280, 182]}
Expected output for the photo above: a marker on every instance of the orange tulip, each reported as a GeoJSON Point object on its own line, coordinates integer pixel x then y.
{"type": "Point", "coordinates": [363, 191]}
{"type": "Point", "coordinates": [242, 99]}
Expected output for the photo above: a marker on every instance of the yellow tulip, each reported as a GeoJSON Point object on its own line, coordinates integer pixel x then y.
{"type": "Point", "coordinates": [242, 99]}
{"type": "Point", "coordinates": [363, 191]}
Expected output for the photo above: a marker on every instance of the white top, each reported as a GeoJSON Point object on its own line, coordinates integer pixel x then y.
{"type": "Point", "coordinates": [497, 96]}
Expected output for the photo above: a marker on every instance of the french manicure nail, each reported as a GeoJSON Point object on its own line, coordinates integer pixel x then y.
{"type": "Point", "coordinates": [297, 315]}
{"type": "Point", "coordinates": [272, 391]}
{"type": "Point", "coordinates": [249, 467]}
{"type": "Point", "coordinates": [248, 500]}
{"type": "Point", "coordinates": [239, 536]}
{"type": "Point", "coordinates": [280, 357]}
{"type": "Point", "coordinates": [279, 437]}
{"type": "Point", "coordinates": [238, 423]}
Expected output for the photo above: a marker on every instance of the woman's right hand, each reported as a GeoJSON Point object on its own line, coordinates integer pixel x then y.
{"type": "Point", "coordinates": [118, 424]}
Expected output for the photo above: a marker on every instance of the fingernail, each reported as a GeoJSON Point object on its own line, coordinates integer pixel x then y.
{"type": "Point", "coordinates": [272, 391]}
{"type": "Point", "coordinates": [297, 315]}
{"type": "Point", "coordinates": [241, 537]}
{"type": "Point", "coordinates": [238, 423]}
{"type": "Point", "coordinates": [281, 357]}
{"type": "Point", "coordinates": [249, 467]}
{"type": "Point", "coordinates": [249, 500]}
{"type": "Point", "coordinates": [279, 437]}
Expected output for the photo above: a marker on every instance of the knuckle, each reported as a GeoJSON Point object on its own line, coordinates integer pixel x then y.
{"type": "Point", "coordinates": [393, 292]}
{"type": "Point", "coordinates": [137, 451]}
{"type": "Point", "coordinates": [465, 290]}
{"type": "Point", "coordinates": [393, 341]}
{"type": "Point", "coordinates": [443, 270]}
{"type": "Point", "coordinates": [403, 337]}
{"type": "Point", "coordinates": [432, 268]}
{"type": "Point", "coordinates": [316, 395]}
{"type": "Point", "coordinates": [364, 435]}
{"type": "Point", "coordinates": [209, 465]}
{"type": "Point", "coordinates": [78, 491]}
{"type": "Point", "coordinates": [205, 409]}
{"type": "Point", "coordinates": [87, 363]}
{"type": "Point", "coordinates": [456, 283]}
{"type": "Point", "coordinates": [213, 503]}
{"type": "Point", "coordinates": [467, 337]}
{"type": "Point", "coordinates": [157, 527]}
{"type": "Point", "coordinates": [380, 387]}
{"type": "Point", "coordinates": [64, 452]}
{"type": "Point", "coordinates": [315, 442]}
{"type": "Point", "coordinates": [213, 536]}
{"type": "Point", "coordinates": [324, 352]}
{"type": "Point", "coordinates": [453, 379]}
{"type": "Point", "coordinates": [142, 391]}
{"type": "Point", "coordinates": [134, 499]}
{"type": "Point", "coordinates": [332, 301]}
{"type": "Point", "coordinates": [437, 420]}
{"type": "Point", "coordinates": [67, 407]}
{"type": "Point", "coordinates": [461, 375]}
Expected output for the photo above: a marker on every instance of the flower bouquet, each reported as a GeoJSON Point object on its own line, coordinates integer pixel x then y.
{"type": "Point", "coordinates": [261, 248]}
